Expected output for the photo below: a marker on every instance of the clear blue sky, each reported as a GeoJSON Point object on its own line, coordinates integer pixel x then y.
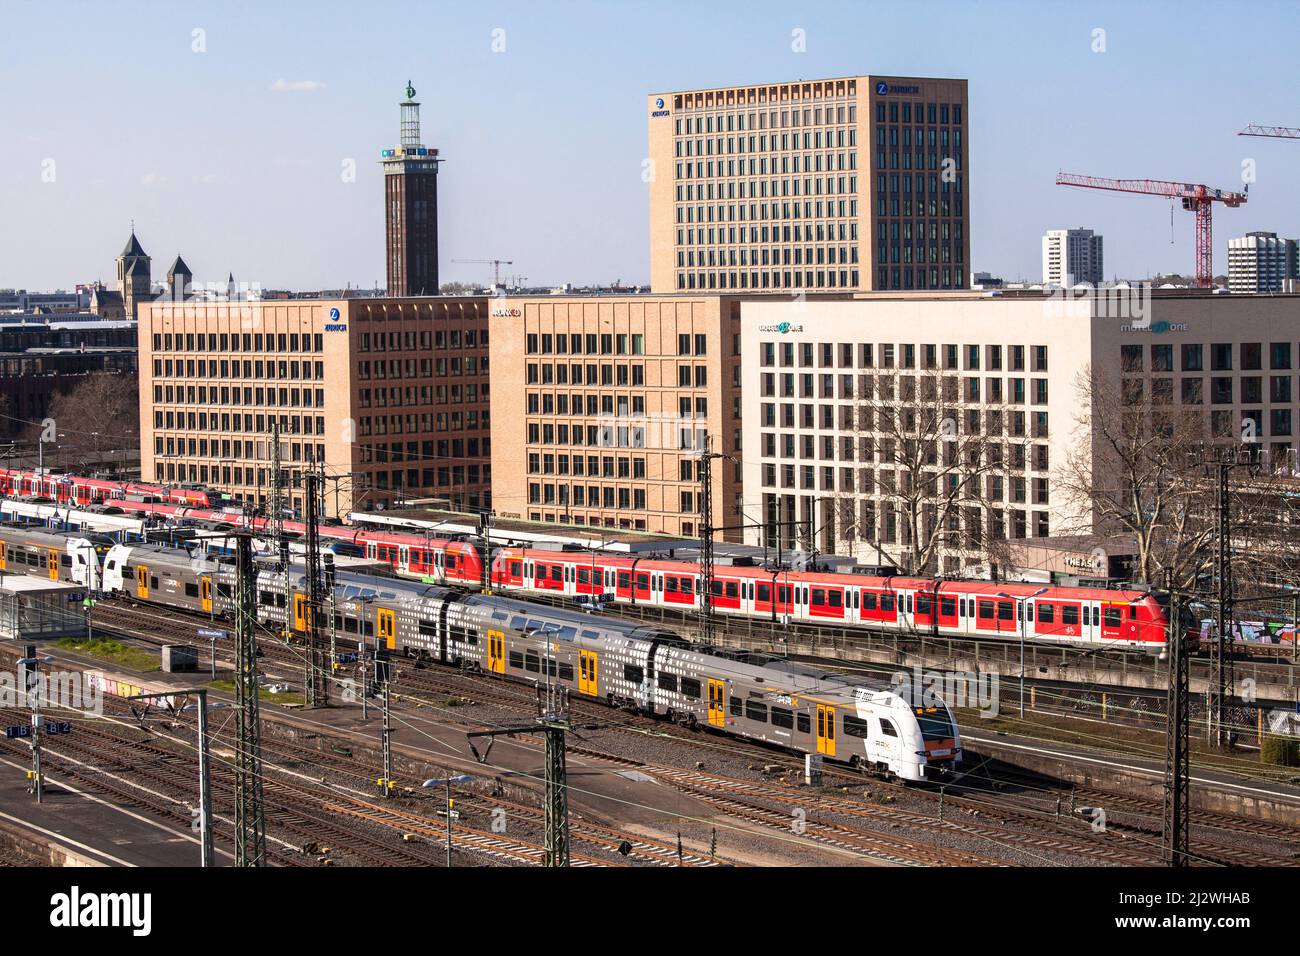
{"type": "Point", "coordinates": [544, 141]}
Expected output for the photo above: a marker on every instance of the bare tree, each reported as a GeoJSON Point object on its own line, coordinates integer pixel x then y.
{"type": "Point", "coordinates": [1143, 466]}
{"type": "Point", "coordinates": [931, 462]}
{"type": "Point", "coordinates": [98, 416]}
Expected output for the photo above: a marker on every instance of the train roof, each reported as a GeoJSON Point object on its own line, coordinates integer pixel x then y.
{"type": "Point", "coordinates": [52, 536]}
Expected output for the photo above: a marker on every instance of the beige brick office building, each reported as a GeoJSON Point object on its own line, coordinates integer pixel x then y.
{"type": "Point", "coordinates": [391, 395]}
{"type": "Point", "coordinates": [815, 381]}
{"type": "Point", "coordinates": [600, 406]}
{"type": "Point", "coordinates": [857, 182]}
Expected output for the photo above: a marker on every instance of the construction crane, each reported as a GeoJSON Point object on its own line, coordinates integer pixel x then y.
{"type": "Point", "coordinates": [496, 265]}
{"type": "Point", "coordinates": [1197, 198]}
{"type": "Point", "coordinates": [1276, 132]}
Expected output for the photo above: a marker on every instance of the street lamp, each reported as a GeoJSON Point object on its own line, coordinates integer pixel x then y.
{"type": "Point", "coordinates": [447, 782]}
{"type": "Point", "coordinates": [1022, 616]}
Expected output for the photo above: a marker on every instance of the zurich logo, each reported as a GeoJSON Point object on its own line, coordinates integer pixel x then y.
{"type": "Point", "coordinates": [882, 88]}
{"type": "Point", "coordinates": [334, 314]}
{"type": "Point", "coordinates": [783, 327]}
{"type": "Point", "coordinates": [659, 103]}
{"type": "Point", "coordinates": [1159, 328]}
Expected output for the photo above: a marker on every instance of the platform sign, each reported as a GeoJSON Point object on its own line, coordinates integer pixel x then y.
{"type": "Point", "coordinates": [213, 634]}
{"type": "Point", "coordinates": [54, 728]}
{"type": "Point", "coordinates": [346, 659]}
{"type": "Point", "coordinates": [22, 730]}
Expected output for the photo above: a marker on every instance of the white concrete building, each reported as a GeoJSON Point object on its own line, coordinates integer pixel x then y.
{"type": "Point", "coordinates": [1260, 262]}
{"type": "Point", "coordinates": [1071, 256]}
{"type": "Point", "coordinates": [815, 452]}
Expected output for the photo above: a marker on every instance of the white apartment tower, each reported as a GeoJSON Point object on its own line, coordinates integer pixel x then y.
{"type": "Point", "coordinates": [1071, 256]}
{"type": "Point", "coordinates": [1260, 262]}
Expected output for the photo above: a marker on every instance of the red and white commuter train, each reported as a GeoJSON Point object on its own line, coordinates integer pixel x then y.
{"type": "Point", "coordinates": [962, 609]}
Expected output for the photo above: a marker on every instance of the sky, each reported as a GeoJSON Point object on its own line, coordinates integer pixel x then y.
{"type": "Point", "coordinates": [225, 130]}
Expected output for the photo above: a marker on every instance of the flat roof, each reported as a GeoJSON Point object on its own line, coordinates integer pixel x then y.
{"type": "Point", "coordinates": [13, 582]}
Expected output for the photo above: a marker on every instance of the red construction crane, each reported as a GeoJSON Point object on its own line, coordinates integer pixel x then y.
{"type": "Point", "coordinates": [1276, 132]}
{"type": "Point", "coordinates": [1195, 197]}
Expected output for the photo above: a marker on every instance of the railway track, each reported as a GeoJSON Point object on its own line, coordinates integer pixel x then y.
{"type": "Point", "coordinates": [1056, 831]}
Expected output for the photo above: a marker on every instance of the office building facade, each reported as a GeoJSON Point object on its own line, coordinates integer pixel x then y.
{"type": "Point", "coordinates": [855, 183]}
{"type": "Point", "coordinates": [389, 397]}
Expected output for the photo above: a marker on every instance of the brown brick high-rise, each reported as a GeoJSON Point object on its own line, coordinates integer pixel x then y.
{"type": "Point", "coordinates": [411, 208]}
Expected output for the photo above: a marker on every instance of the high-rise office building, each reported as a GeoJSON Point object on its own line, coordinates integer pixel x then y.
{"type": "Point", "coordinates": [857, 183]}
{"type": "Point", "coordinates": [1260, 262]}
{"type": "Point", "coordinates": [1071, 256]}
{"type": "Point", "coordinates": [411, 208]}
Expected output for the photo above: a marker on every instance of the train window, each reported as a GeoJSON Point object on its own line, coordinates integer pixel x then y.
{"type": "Point", "coordinates": [191, 590]}
{"type": "Point", "coordinates": [515, 567]}
{"type": "Point", "coordinates": [783, 594]}
{"type": "Point", "coordinates": [633, 673]}
{"type": "Point", "coordinates": [909, 604]}
{"type": "Point", "coordinates": [1113, 617]}
{"type": "Point", "coordinates": [557, 572]}
{"type": "Point", "coordinates": [584, 576]}
{"type": "Point", "coordinates": [225, 590]}
{"type": "Point", "coordinates": [128, 574]}
{"type": "Point", "coordinates": [856, 727]}
{"type": "Point", "coordinates": [451, 561]}
{"type": "Point", "coordinates": [517, 660]}
{"type": "Point", "coordinates": [805, 723]}
{"type": "Point", "coordinates": [782, 718]}
{"type": "Point", "coordinates": [1069, 614]}
{"type": "Point", "coordinates": [428, 628]}
{"type": "Point", "coordinates": [736, 706]}
{"type": "Point", "coordinates": [65, 561]}
{"type": "Point", "coordinates": [691, 688]}
{"type": "Point", "coordinates": [986, 609]}
{"type": "Point", "coordinates": [532, 662]}
{"type": "Point", "coordinates": [153, 581]}
{"type": "Point", "coordinates": [887, 728]}
{"type": "Point", "coordinates": [517, 623]}
{"type": "Point", "coordinates": [550, 666]}
{"type": "Point", "coordinates": [869, 600]}
{"type": "Point", "coordinates": [338, 622]}
{"type": "Point", "coordinates": [924, 604]}
{"type": "Point", "coordinates": [1087, 616]}
{"type": "Point", "coordinates": [798, 595]}
{"type": "Point", "coordinates": [1132, 612]}
{"type": "Point", "coordinates": [368, 628]}
{"type": "Point", "coordinates": [834, 598]}
{"type": "Point", "coordinates": [566, 672]}
{"type": "Point", "coordinates": [624, 579]}
{"type": "Point", "coordinates": [756, 710]}
{"type": "Point", "coordinates": [667, 681]}
{"type": "Point", "coordinates": [947, 606]}
{"type": "Point", "coordinates": [350, 625]}
{"type": "Point", "coordinates": [643, 582]}
{"type": "Point", "coordinates": [731, 589]}
{"type": "Point", "coordinates": [1006, 611]}
{"type": "Point", "coordinates": [688, 585]}
{"type": "Point", "coordinates": [887, 601]}
{"type": "Point", "coordinates": [1046, 614]}
{"type": "Point", "coordinates": [671, 585]}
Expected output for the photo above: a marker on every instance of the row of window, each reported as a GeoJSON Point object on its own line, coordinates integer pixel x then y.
{"type": "Point", "coordinates": [422, 340]}
{"type": "Point", "coordinates": [234, 368]}
{"type": "Point", "coordinates": [887, 355]}
{"type": "Point", "coordinates": [238, 342]}
{"type": "Point", "coordinates": [1250, 357]}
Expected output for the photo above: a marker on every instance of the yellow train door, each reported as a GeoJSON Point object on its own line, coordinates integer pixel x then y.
{"type": "Point", "coordinates": [52, 563]}
{"type": "Point", "coordinates": [826, 730]}
{"type": "Point", "coordinates": [141, 581]}
{"type": "Point", "coordinates": [717, 703]}
{"type": "Point", "coordinates": [587, 682]}
{"type": "Point", "coordinates": [205, 593]}
{"type": "Point", "coordinates": [4, 557]}
{"type": "Point", "coordinates": [387, 628]}
{"type": "Point", "coordinates": [300, 612]}
{"type": "Point", "coordinates": [496, 652]}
